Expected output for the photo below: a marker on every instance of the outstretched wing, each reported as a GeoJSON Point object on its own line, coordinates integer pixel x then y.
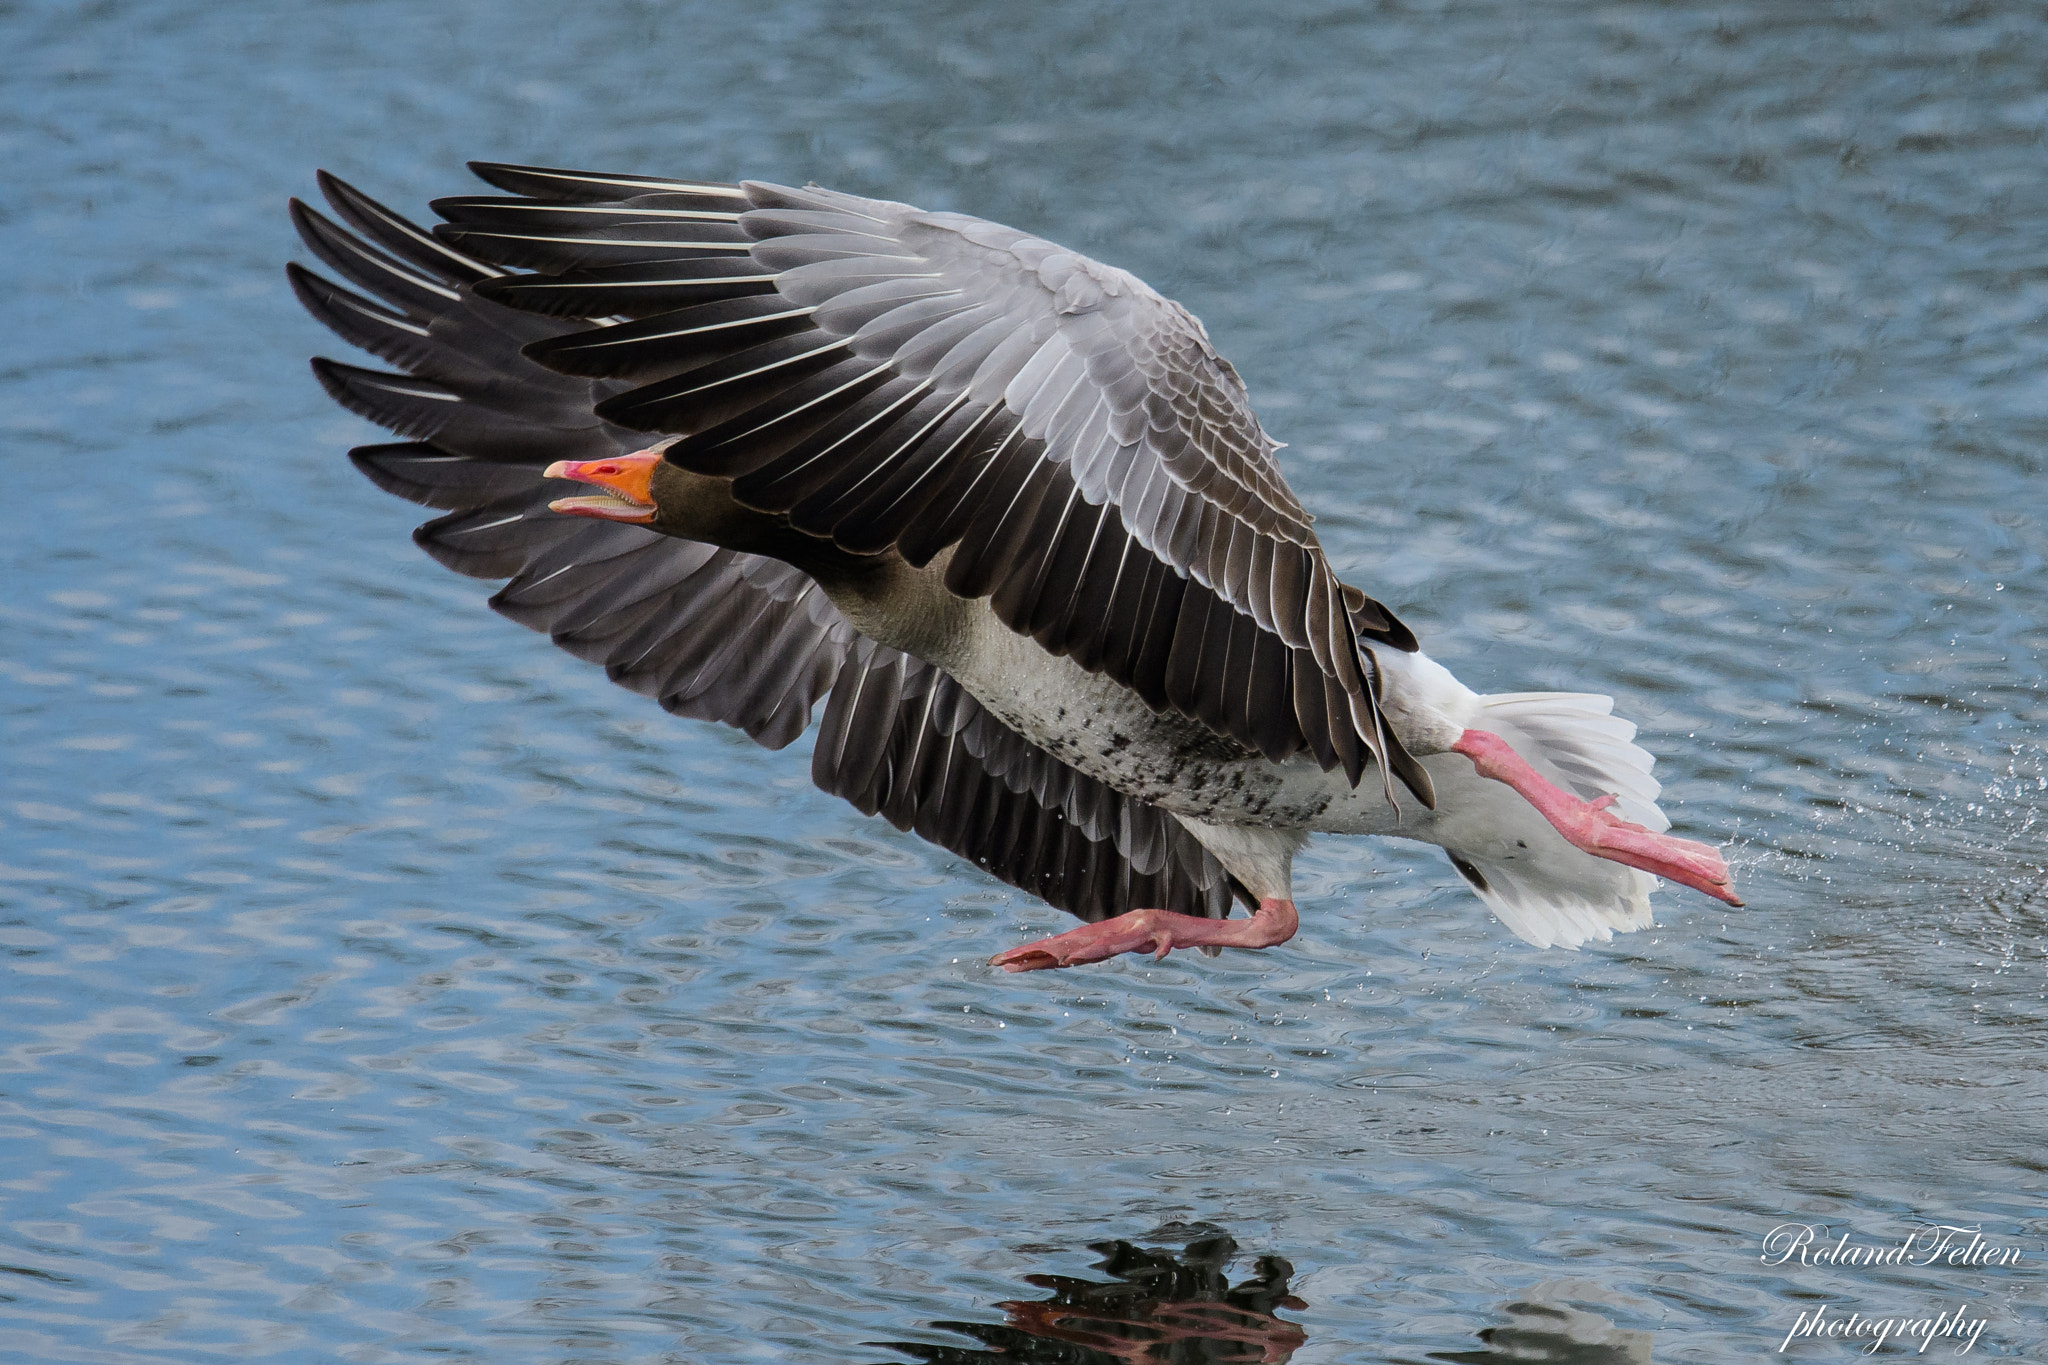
{"type": "Point", "coordinates": [931, 384]}
{"type": "Point", "coordinates": [708, 632]}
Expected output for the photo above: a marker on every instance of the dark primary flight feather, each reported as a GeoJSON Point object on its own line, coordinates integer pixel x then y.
{"type": "Point", "coordinates": [931, 384]}
{"type": "Point", "coordinates": [708, 632]}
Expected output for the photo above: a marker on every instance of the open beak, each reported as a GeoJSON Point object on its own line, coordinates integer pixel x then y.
{"type": "Point", "coordinates": [625, 479]}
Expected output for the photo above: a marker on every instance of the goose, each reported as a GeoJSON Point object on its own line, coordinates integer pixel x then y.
{"type": "Point", "coordinates": [1002, 509]}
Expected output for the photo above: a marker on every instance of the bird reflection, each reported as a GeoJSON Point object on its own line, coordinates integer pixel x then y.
{"type": "Point", "coordinates": [1551, 1335]}
{"type": "Point", "coordinates": [1157, 1308]}
{"type": "Point", "coordinates": [1163, 1307]}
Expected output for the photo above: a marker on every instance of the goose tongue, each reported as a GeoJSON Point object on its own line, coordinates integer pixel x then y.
{"type": "Point", "coordinates": [626, 481]}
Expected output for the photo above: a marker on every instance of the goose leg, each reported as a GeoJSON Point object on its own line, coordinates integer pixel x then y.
{"type": "Point", "coordinates": [1588, 826]}
{"type": "Point", "coordinates": [1157, 932]}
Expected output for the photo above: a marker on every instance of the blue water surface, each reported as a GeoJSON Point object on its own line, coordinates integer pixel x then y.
{"type": "Point", "coordinates": [381, 984]}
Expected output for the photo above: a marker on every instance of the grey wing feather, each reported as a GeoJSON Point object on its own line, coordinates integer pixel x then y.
{"type": "Point", "coordinates": [973, 389]}
{"type": "Point", "coordinates": [905, 741]}
{"type": "Point", "coordinates": [708, 632]}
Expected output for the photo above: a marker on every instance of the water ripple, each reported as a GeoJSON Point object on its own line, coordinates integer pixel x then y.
{"type": "Point", "coordinates": [380, 982]}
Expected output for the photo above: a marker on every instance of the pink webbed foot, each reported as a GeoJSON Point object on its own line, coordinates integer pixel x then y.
{"type": "Point", "coordinates": [1696, 865]}
{"type": "Point", "coordinates": [1588, 826]}
{"type": "Point", "coordinates": [1157, 932]}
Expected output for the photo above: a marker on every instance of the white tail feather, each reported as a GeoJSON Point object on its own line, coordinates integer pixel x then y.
{"type": "Point", "coordinates": [1588, 749]}
{"type": "Point", "coordinates": [1539, 886]}
{"type": "Point", "coordinates": [1541, 908]}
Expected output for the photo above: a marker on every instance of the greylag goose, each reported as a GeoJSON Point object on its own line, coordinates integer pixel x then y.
{"type": "Point", "coordinates": [1003, 509]}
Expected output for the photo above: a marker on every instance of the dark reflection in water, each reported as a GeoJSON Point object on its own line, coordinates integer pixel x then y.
{"type": "Point", "coordinates": [1173, 1308]}
{"type": "Point", "coordinates": [1164, 1307]}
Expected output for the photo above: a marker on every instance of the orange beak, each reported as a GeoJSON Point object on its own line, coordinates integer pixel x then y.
{"type": "Point", "coordinates": [626, 480]}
